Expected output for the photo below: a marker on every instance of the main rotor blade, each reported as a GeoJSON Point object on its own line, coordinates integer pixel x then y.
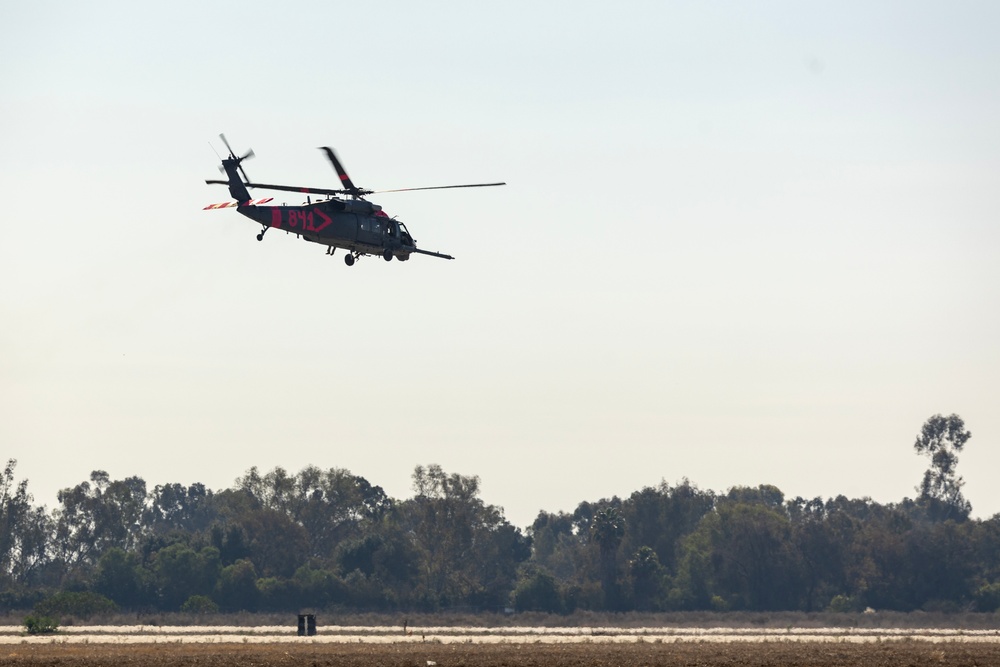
{"type": "Point", "coordinates": [341, 172]}
{"type": "Point", "coordinates": [441, 187]}
{"type": "Point", "coordinates": [294, 188]}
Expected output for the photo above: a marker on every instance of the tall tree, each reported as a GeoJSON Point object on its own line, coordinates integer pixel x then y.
{"type": "Point", "coordinates": [334, 505]}
{"type": "Point", "coordinates": [468, 551]}
{"type": "Point", "coordinates": [941, 439]}
{"type": "Point", "coordinates": [121, 578]}
{"type": "Point", "coordinates": [646, 574]}
{"type": "Point", "coordinates": [24, 529]}
{"type": "Point", "coordinates": [821, 536]}
{"type": "Point", "coordinates": [754, 556]}
{"type": "Point", "coordinates": [607, 530]}
{"type": "Point", "coordinates": [660, 517]}
{"type": "Point", "coordinates": [174, 507]}
{"type": "Point", "coordinates": [236, 589]}
{"type": "Point", "coordinates": [331, 505]}
{"type": "Point", "coordinates": [181, 572]}
{"type": "Point", "coordinates": [97, 515]}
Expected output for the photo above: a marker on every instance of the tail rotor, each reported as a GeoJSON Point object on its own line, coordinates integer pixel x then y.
{"type": "Point", "coordinates": [233, 168]}
{"type": "Point", "coordinates": [237, 160]}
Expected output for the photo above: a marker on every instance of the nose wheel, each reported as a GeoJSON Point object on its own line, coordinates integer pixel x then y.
{"type": "Point", "coordinates": [349, 259]}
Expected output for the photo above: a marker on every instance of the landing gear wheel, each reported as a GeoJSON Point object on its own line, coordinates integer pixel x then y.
{"type": "Point", "coordinates": [349, 259]}
{"type": "Point", "coordinates": [387, 255]}
{"type": "Point", "coordinates": [260, 237]}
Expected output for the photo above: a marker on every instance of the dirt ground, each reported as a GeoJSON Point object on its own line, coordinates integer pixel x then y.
{"type": "Point", "coordinates": [776, 654]}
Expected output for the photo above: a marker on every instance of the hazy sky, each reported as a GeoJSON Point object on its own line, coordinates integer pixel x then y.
{"type": "Point", "coordinates": [741, 243]}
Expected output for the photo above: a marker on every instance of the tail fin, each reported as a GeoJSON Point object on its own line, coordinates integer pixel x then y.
{"type": "Point", "coordinates": [237, 189]}
{"type": "Point", "coordinates": [231, 165]}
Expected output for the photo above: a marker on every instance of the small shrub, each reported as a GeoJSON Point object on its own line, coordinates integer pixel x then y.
{"type": "Point", "coordinates": [40, 625]}
{"type": "Point", "coordinates": [538, 591]}
{"type": "Point", "coordinates": [987, 598]}
{"type": "Point", "coordinates": [200, 604]}
{"type": "Point", "coordinates": [843, 604]}
{"type": "Point", "coordinates": [719, 603]}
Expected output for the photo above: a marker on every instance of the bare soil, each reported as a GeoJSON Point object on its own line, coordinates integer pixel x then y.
{"type": "Point", "coordinates": [640, 654]}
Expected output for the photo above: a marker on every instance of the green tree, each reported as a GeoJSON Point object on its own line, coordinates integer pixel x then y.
{"type": "Point", "coordinates": [694, 585]}
{"type": "Point", "coordinates": [200, 604]}
{"type": "Point", "coordinates": [646, 575]}
{"type": "Point", "coordinates": [941, 439]}
{"type": "Point", "coordinates": [182, 572]}
{"type": "Point", "coordinates": [741, 556]}
{"type": "Point", "coordinates": [24, 530]}
{"type": "Point", "coordinates": [607, 530]}
{"type": "Point", "coordinates": [558, 547]}
{"type": "Point", "coordinates": [174, 507]}
{"type": "Point", "coordinates": [319, 588]}
{"type": "Point", "coordinates": [277, 594]}
{"type": "Point", "coordinates": [278, 545]}
{"type": "Point", "coordinates": [329, 505]}
{"type": "Point", "coordinates": [538, 590]}
{"type": "Point", "coordinates": [941, 571]}
{"type": "Point", "coordinates": [767, 495]}
{"type": "Point", "coordinates": [97, 515]}
{"type": "Point", "coordinates": [499, 550]}
{"type": "Point", "coordinates": [822, 538]}
{"type": "Point", "coordinates": [755, 561]}
{"type": "Point", "coordinates": [660, 517]}
{"type": "Point", "coordinates": [468, 552]}
{"type": "Point", "coordinates": [121, 578]}
{"type": "Point", "coordinates": [231, 541]}
{"type": "Point", "coordinates": [386, 555]}
{"type": "Point", "coordinates": [40, 625]}
{"type": "Point", "coordinates": [334, 505]}
{"type": "Point", "coordinates": [882, 568]}
{"type": "Point", "coordinates": [987, 597]}
{"type": "Point", "coordinates": [236, 589]}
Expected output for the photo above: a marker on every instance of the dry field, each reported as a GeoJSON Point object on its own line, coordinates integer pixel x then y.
{"type": "Point", "coordinates": [636, 653]}
{"type": "Point", "coordinates": [442, 646]}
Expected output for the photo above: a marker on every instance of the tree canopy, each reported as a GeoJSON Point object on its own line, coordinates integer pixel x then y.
{"type": "Point", "coordinates": [328, 538]}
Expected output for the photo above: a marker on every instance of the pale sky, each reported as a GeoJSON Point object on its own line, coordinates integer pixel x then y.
{"type": "Point", "coordinates": [741, 243]}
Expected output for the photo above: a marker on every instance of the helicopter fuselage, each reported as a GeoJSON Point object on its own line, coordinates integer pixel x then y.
{"type": "Point", "coordinates": [357, 226]}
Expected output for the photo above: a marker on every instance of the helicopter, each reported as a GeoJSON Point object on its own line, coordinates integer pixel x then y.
{"type": "Point", "coordinates": [345, 219]}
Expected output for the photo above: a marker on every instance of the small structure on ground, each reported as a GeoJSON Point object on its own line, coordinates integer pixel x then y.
{"type": "Point", "coordinates": [307, 625]}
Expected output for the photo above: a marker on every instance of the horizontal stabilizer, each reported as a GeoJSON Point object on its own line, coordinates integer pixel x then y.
{"type": "Point", "coordinates": [232, 204]}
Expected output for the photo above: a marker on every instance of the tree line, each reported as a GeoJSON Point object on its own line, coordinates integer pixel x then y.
{"type": "Point", "coordinates": [325, 539]}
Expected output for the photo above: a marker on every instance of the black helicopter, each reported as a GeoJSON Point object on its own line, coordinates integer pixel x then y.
{"type": "Point", "coordinates": [352, 223]}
